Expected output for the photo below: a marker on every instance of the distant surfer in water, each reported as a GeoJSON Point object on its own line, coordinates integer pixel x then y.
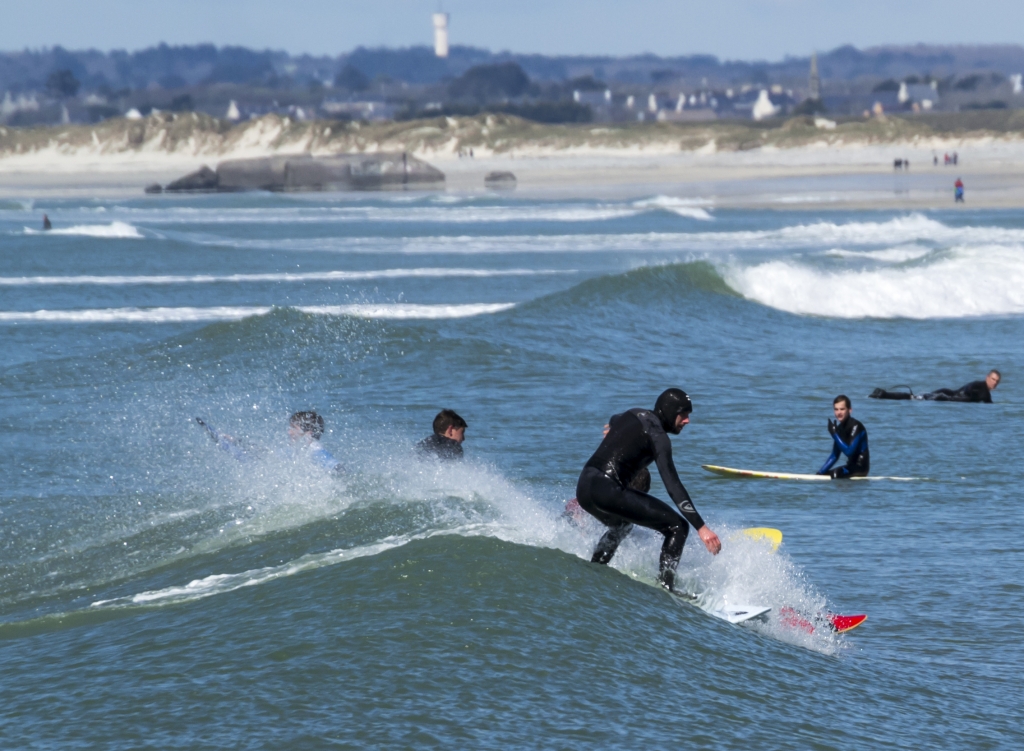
{"type": "Point", "coordinates": [446, 441]}
{"type": "Point", "coordinates": [636, 438]}
{"type": "Point", "coordinates": [849, 437]}
{"type": "Point", "coordinates": [975, 391]}
{"type": "Point", "coordinates": [46, 223]}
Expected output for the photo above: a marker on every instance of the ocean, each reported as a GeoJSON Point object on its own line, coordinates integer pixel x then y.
{"type": "Point", "coordinates": [158, 592]}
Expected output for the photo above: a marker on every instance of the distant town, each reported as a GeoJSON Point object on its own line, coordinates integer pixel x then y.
{"type": "Point", "coordinates": [53, 86]}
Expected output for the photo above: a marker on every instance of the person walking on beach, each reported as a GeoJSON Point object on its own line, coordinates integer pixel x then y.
{"type": "Point", "coordinates": [958, 191]}
{"type": "Point", "coordinates": [636, 438]}
{"type": "Point", "coordinates": [446, 441]}
{"type": "Point", "coordinates": [849, 437]}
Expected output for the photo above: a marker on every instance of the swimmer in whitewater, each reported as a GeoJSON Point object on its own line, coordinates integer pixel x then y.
{"type": "Point", "coordinates": [636, 438]}
{"type": "Point", "coordinates": [46, 223]}
{"type": "Point", "coordinates": [849, 437]}
{"type": "Point", "coordinates": [975, 391]}
{"type": "Point", "coordinates": [305, 429]}
{"type": "Point", "coordinates": [446, 441]}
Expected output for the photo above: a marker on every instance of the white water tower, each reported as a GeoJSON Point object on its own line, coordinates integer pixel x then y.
{"type": "Point", "coordinates": [441, 34]}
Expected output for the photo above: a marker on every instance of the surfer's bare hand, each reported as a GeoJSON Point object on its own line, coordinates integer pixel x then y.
{"type": "Point", "coordinates": [710, 539]}
{"type": "Point", "coordinates": [607, 429]}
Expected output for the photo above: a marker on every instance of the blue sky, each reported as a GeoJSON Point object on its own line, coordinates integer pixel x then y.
{"type": "Point", "coordinates": [734, 29]}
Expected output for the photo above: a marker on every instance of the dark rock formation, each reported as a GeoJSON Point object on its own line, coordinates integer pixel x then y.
{"type": "Point", "coordinates": [154, 188]}
{"type": "Point", "coordinates": [303, 172]}
{"type": "Point", "coordinates": [203, 180]}
{"type": "Point", "coordinates": [500, 180]}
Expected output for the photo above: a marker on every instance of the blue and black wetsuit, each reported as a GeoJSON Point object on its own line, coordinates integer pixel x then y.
{"type": "Point", "coordinates": [850, 438]}
{"type": "Point", "coordinates": [635, 439]}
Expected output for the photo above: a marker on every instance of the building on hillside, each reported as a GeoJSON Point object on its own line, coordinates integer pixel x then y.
{"type": "Point", "coordinates": [368, 111]}
{"type": "Point", "coordinates": [923, 95]}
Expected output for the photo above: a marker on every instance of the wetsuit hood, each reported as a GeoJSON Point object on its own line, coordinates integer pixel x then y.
{"type": "Point", "coordinates": [671, 403]}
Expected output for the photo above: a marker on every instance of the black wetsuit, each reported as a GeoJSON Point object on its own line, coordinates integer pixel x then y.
{"type": "Point", "coordinates": [440, 447]}
{"type": "Point", "coordinates": [851, 439]}
{"type": "Point", "coordinates": [975, 391]}
{"type": "Point", "coordinates": [635, 439]}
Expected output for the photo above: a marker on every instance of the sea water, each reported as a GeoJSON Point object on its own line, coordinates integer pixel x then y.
{"type": "Point", "coordinates": [158, 592]}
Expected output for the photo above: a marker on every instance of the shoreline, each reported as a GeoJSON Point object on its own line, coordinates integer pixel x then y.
{"type": "Point", "coordinates": [780, 171]}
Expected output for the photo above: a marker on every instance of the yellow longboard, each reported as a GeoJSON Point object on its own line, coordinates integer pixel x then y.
{"type": "Point", "coordinates": [755, 474]}
{"type": "Point", "coordinates": [772, 536]}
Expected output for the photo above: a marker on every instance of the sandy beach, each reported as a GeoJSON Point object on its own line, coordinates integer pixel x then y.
{"type": "Point", "coordinates": [711, 166]}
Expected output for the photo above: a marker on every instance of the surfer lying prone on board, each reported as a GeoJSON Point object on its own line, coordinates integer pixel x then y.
{"type": "Point", "coordinates": [975, 391]}
{"type": "Point", "coordinates": [304, 429]}
{"type": "Point", "coordinates": [636, 438]}
{"type": "Point", "coordinates": [849, 437]}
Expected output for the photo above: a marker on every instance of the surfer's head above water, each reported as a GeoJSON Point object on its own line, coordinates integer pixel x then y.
{"type": "Point", "coordinates": [450, 425]}
{"type": "Point", "coordinates": [673, 409]}
{"type": "Point", "coordinates": [992, 379]}
{"type": "Point", "coordinates": [306, 423]}
{"type": "Point", "coordinates": [841, 407]}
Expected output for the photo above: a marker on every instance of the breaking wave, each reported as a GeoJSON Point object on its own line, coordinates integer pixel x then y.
{"type": "Point", "coordinates": [959, 283]}
{"type": "Point", "coordinates": [392, 311]}
{"type": "Point", "coordinates": [114, 230]}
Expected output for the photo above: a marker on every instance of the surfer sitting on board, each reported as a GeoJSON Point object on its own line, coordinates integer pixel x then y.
{"type": "Point", "coordinates": [635, 439]}
{"type": "Point", "coordinates": [975, 391]}
{"type": "Point", "coordinates": [849, 437]}
{"type": "Point", "coordinates": [446, 442]}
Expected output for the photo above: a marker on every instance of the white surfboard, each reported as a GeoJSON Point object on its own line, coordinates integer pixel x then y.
{"type": "Point", "coordinates": [755, 474]}
{"type": "Point", "coordinates": [730, 613]}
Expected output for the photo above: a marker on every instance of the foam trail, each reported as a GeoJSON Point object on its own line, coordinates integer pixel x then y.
{"type": "Point", "coordinates": [216, 584]}
{"type": "Point", "coordinates": [322, 276]}
{"type": "Point", "coordinates": [113, 230]}
{"type": "Point", "coordinates": [392, 311]}
{"type": "Point", "coordinates": [964, 282]}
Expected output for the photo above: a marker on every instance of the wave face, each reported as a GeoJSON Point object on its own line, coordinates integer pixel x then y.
{"type": "Point", "coordinates": [158, 578]}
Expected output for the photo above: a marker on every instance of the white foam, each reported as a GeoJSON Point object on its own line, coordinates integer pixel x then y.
{"type": "Point", "coordinates": [688, 207]}
{"type": "Point", "coordinates": [404, 311]}
{"type": "Point", "coordinates": [889, 255]}
{"type": "Point", "coordinates": [963, 282]}
{"type": "Point", "coordinates": [114, 230]}
{"type": "Point", "coordinates": [455, 213]}
{"type": "Point", "coordinates": [319, 276]}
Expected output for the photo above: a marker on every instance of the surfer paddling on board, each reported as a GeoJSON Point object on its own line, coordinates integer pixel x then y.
{"type": "Point", "coordinates": [975, 391]}
{"type": "Point", "coordinates": [636, 438]}
{"type": "Point", "coordinates": [849, 437]}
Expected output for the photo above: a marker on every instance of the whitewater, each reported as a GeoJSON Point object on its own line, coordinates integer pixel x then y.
{"type": "Point", "coordinates": [153, 585]}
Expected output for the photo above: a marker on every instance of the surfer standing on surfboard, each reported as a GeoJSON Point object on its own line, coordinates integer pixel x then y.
{"type": "Point", "coordinates": [849, 437]}
{"type": "Point", "coordinates": [636, 438]}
